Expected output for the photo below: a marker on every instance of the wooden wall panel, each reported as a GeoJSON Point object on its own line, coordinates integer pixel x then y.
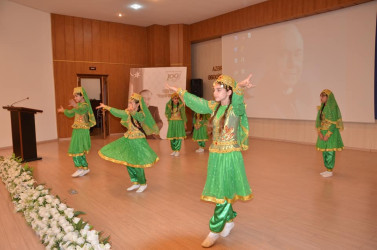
{"type": "Point", "coordinates": [66, 79]}
{"type": "Point", "coordinates": [58, 31]}
{"type": "Point", "coordinates": [96, 40]}
{"type": "Point", "coordinates": [69, 38]}
{"type": "Point", "coordinates": [87, 31]}
{"type": "Point", "coordinates": [158, 46]}
{"type": "Point", "coordinates": [112, 48]}
{"type": "Point", "coordinates": [79, 39]}
{"type": "Point", "coordinates": [269, 12]}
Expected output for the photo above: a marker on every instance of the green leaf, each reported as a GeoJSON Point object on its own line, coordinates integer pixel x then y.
{"type": "Point", "coordinates": [77, 213]}
{"type": "Point", "coordinates": [106, 240]}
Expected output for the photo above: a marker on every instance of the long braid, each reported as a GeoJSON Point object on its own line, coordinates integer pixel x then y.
{"type": "Point", "coordinates": [222, 121]}
{"type": "Point", "coordinates": [223, 117]}
{"type": "Point", "coordinates": [138, 125]}
{"type": "Point", "coordinates": [172, 106]}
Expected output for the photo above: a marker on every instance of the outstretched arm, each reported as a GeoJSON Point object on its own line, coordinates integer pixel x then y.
{"type": "Point", "coordinates": [123, 114]}
{"type": "Point", "coordinates": [197, 104]}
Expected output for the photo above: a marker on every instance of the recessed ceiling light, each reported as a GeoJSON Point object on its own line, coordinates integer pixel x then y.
{"type": "Point", "coordinates": [136, 6]}
{"type": "Point", "coordinates": [120, 14]}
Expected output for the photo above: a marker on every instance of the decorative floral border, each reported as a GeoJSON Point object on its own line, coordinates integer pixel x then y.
{"type": "Point", "coordinates": [57, 225]}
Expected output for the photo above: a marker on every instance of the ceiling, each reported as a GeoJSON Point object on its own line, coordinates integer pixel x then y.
{"type": "Point", "coordinates": [162, 12]}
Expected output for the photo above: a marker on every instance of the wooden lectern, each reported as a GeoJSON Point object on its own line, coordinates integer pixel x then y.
{"type": "Point", "coordinates": [23, 132]}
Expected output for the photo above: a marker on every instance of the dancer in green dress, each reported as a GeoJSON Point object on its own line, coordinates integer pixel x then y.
{"type": "Point", "coordinates": [200, 134]}
{"type": "Point", "coordinates": [176, 115]}
{"type": "Point", "coordinates": [329, 123]}
{"type": "Point", "coordinates": [133, 149]}
{"type": "Point", "coordinates": [226, 178]}
{"type": "Point", "coordinates": [84, 119]}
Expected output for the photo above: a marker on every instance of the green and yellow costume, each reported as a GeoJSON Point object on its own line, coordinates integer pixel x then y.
{"type": "Point", "coordinates": [176, 115]}
{"type": "Point", "coordinates": [200, 134]}
{"type": "Point", "coordinates": [84, 119]}
{"type": "Point", "coordinates": [329, 123]}
{"type": "Point", "coordinates": [133, 149]}
{"type": "Point", "coordinates": [226, 177]}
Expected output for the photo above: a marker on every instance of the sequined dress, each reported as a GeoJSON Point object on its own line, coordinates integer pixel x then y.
{"type": "Point", "coordinates": [176, 116]}
{"type": "Point", "coordinates": [200, 128]}
{"type": "Point", "coordinates": [226, 176]}
{"type": "Point", "coordinates": [80, 141]}
{"type": "Point", "coordinates": [132, 149]}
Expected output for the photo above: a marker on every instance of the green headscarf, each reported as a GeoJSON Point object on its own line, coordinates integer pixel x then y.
{"type": "Point", "coordinates": [169, 105]}
{"type": "Point", "coordinates": [243, 128]}
{"type": "Point", "coordinates": [330, 111]}
{"type": "Point", "coordinates": [92, 119]}
{"type": "Point", "coordinates": [149, 125]}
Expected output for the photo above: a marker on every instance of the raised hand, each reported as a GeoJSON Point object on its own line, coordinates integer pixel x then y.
{"type": "Point", "coordinates": [246, 83]}
{"type": "Point", "coordinates": [72, 103]}
{"type": "Point", "coordinates": [61, 109]}
{"type": "Point", "coordinates": [167, 86]}
{"type": "Point", "coordinates": [101, 105]}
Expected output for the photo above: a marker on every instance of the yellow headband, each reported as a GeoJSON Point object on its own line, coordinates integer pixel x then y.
{"type": "Point", "coordinates": [77, 90]}
{"type": "Point", "coordinates": [225, 80]}
{"type": "Point", "coordinates": [174, 95]}
{"type": "Point", "coordinates": [326, 91]}
{"type": "Point", "coordinates": [136, 96]}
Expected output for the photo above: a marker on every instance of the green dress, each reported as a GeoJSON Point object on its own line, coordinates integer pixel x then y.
{"type": "Point", "coordinates": [200, 127]}
{"type": "Point", "coordinates": [176, 115]}
{"type": "Point", "coordinates": [132, 149]}
{"type": "Point", "coordinates": [226, 177]}
{"type": "Point", "coordinates": [329, 122]}
{"type": "Point", "coordinates": [80, 141]}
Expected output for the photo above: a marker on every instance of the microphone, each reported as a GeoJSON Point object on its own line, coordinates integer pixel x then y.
{"type": "Point", "coordinates": [27, 98]}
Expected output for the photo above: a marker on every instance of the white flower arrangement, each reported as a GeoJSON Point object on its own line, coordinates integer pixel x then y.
{"type": "Point", "coordinates": [57, 225]}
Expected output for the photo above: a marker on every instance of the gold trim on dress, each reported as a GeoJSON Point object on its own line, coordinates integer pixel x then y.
{"type": "Point", "coordinates": [212, 105]}
{"type": "Point", "coordinates": [173, 138]}
{"type": "Point", "coordinates": [238, 91]}
{"type": "Point", "coordinates": [126, 163]}
{"type": "Point", "coordinates": [221, 201]}
{"type": "Point", "coordinates": [224, 143]}
{"type": "Point", "coordinates": [220, 151]}
{"type": "Point", "coordinates": [328, 133]}
{"type": "Point", "coordinates": [200, 140]}
{"type": "Point", "coordinates": [79, 154]}
{"type": "Point", "coordinates": [176, 118]}
{"type": "Point", "coordinates": [181, 91]}
{"type": "Point", "coordinates": [330, 149]}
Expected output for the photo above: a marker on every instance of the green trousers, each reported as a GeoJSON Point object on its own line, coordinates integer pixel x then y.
{"type": "Point", "coordinates": [80, 162]}
{"type": "Point", "coordinates": [202, 144]}
{"type": "Point", "coordinates": [329, 159]}
{"type": "Point", "coordinates": [223, 213]}
{"type": "Point", "coordinates": [176, 144]}
{"type": "Point", "coordinates": [137, 175]}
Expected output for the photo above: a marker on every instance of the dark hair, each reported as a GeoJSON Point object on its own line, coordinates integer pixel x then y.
{"type": "Point", "coordinates": [324, 104]}
{"type": "Point", "coordinates": [222, 121]}
{"type": "Point", "coordinates": [137, 125]}
{"type": "Point", "coordinates": [172, 103]}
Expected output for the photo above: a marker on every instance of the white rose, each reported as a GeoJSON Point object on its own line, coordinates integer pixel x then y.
{"type": "Point", "coordinates": [76, 220]}
{"type": "Point", "coordinates": [62, 206]}
{"type": "Point", "coordinates": [84, 232]}
{"type": "Point", "coordinates": [80, 241]}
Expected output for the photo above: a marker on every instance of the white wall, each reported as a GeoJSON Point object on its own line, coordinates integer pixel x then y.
{"type": "Point", "coordinates": [26, 68]}
{"type": "Point", "coordinates": [204, 56]}
{"type": "Point", "coordinates": [355, 135]}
